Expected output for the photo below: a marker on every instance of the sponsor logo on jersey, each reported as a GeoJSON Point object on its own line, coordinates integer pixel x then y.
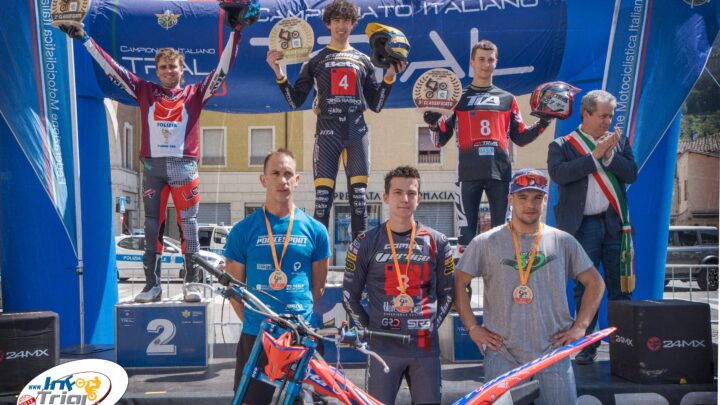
{"type": "Point", "coordinates": [339, 63]}
{"type": "Point", "coordinates": [402, 257]}
{"type": "Point", "coordinates": [418, 324]}
{"type": "Point", "coordinates": [392, 323]}
{"type": "Point", "coordinates": [168, 111]}
{"type": "Point", "coordinates": [389, 309]}
{"type": "Point", "coordinates": [483, 100]}
{"type": "Point", "coordinates": [167, 19]}
{"type": "Point", "coordinates": [296, 240]}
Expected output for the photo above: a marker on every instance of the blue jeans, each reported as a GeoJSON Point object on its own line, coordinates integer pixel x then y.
{"type": "Point", "coordinates": [557, 382]}
{"type": "Point", "coordinates": [604, 249]}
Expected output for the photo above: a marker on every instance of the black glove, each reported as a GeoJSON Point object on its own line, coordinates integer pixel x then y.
{"type": "Point", "coordinates": [73, 31]}
{"type": "Point", "coordinates": [431, 118]}
{"type": "Point", "coordinates": [232, 19]}
{"type": "Point", "coordinates": [546, 121]}
{"type": "Point", "coordinates": [241, 14]}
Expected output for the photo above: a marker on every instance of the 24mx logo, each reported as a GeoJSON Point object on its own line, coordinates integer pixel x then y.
{"type": "Point", "coordinates": [26, 354]}
{"type": "Point", "coordinates": [655, 344]}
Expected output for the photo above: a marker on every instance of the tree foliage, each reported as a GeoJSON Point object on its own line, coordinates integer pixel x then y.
{"type": "Point", "coordinates": [701, 111]}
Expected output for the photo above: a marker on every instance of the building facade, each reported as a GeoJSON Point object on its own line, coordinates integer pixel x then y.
{"type": "Point", "coordinates": [696, 186]}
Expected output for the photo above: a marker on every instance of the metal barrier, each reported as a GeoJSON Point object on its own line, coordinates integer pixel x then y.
{"type": "Point", "coordinates": [686, 272]}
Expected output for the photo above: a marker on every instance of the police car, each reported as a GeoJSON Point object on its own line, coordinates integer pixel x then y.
{"type": "Point", "coordinates": [129, 251]}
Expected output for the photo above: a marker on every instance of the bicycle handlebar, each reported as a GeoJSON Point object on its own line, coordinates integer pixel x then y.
{"type": "Point", "coordinates": [226, 279]}
{"type": "Point", "coordinates": [223, 277]}
{"type": "Point", "coordinates": [239, 292]}
{"type": "Point", "coordinates": [405, 339]}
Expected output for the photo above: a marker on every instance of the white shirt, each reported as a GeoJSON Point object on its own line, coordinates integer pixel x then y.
{"type": "Point", "coordinates": [595, 200]}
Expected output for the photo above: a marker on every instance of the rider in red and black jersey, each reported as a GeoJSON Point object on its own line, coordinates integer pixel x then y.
{"type": "Point", "coordinates": [377, 262]}
{"type": "Point", "coordinates": [170, 117]}
{"type": "Point", "coordinates": [486, 119]}
{"type": "Point", "coordinates": [345, 86]}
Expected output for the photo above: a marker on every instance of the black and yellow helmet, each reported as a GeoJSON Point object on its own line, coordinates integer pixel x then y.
{"type": "Point", "coordinates": [389, 45]}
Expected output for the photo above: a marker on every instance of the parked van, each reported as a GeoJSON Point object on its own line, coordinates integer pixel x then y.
{"type": "Point", "coordinates": [213, 237]}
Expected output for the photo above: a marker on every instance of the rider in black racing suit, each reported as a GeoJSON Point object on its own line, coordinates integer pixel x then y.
{"type": "Point", "coordinates": [345, 86]}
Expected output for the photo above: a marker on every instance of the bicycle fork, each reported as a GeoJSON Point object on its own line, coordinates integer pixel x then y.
{"type": "Point", "coordinates": [289, 387]}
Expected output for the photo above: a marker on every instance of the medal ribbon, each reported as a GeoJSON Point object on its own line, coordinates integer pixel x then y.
{"type": "Point", "coordinates": [525, 273]}
{"type": "Point", "coordinates": [278, 264]}
{"type": "Point", "coordinates": [401, 284]}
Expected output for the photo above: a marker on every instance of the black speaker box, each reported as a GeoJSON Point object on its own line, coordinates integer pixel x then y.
{"type": "Point", "coordinates": [29, 345]}
{"type": "Point", "coordinates": [661, 341]}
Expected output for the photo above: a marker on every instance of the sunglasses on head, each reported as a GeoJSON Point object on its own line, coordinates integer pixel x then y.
{"type": "Point", "coordinates": [531, 180]}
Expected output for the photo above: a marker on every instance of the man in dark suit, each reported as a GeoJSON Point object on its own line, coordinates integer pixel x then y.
{"type": "Point", "coordinates": [591, 167]}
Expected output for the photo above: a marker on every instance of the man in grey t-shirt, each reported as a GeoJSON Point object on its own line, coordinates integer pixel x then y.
{"type": "Point", "coordinates": [525, 307]}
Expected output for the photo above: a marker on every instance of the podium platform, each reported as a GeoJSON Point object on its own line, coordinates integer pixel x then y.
{"type": "Point", "coordinates": [213, 384]}
{"type": "Point", "coordinates": [455, 343]}
{"type": "Point", "coordinates": [165, 334]}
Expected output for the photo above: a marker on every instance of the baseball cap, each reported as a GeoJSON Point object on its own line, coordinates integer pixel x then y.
{"type": "Point", "coordinates": [528, 179]}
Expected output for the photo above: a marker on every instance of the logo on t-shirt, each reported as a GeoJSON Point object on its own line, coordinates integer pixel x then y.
{"type": "Point", "coordinates": [540, 261]}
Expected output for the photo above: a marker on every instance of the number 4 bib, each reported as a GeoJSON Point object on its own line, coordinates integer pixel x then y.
{"type": "Point", "coordinates": [343, 81]}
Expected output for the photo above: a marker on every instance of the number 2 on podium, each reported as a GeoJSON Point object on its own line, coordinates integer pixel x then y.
{"type": "Point", "coordinates": [159, 346]}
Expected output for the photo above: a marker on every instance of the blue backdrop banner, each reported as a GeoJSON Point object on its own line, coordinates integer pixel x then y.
{"type": "Point", "coordinates": [35, 101]}
{"type": "Point", "coordinates": [530, 35]}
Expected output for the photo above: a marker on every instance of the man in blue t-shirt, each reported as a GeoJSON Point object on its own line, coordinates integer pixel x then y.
{"type": "Point", "coordinates": [293, 268]}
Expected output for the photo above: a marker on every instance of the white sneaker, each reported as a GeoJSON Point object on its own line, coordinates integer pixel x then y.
{"type": "Point", "coordinates": [191, 293]}
{"type": "Point", "coordinates": [151, 295]}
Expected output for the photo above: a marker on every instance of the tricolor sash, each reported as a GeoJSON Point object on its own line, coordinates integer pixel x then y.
{"type": "Point", "coordinates": [610, 186]}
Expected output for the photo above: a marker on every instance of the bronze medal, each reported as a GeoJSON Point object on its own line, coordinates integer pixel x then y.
{"type": "Point", "coordinates": [403, 303]}
{"type": "Point", "coordinates": [522, 295]}
{"type": "Point", "coordinates": [277, 280]}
